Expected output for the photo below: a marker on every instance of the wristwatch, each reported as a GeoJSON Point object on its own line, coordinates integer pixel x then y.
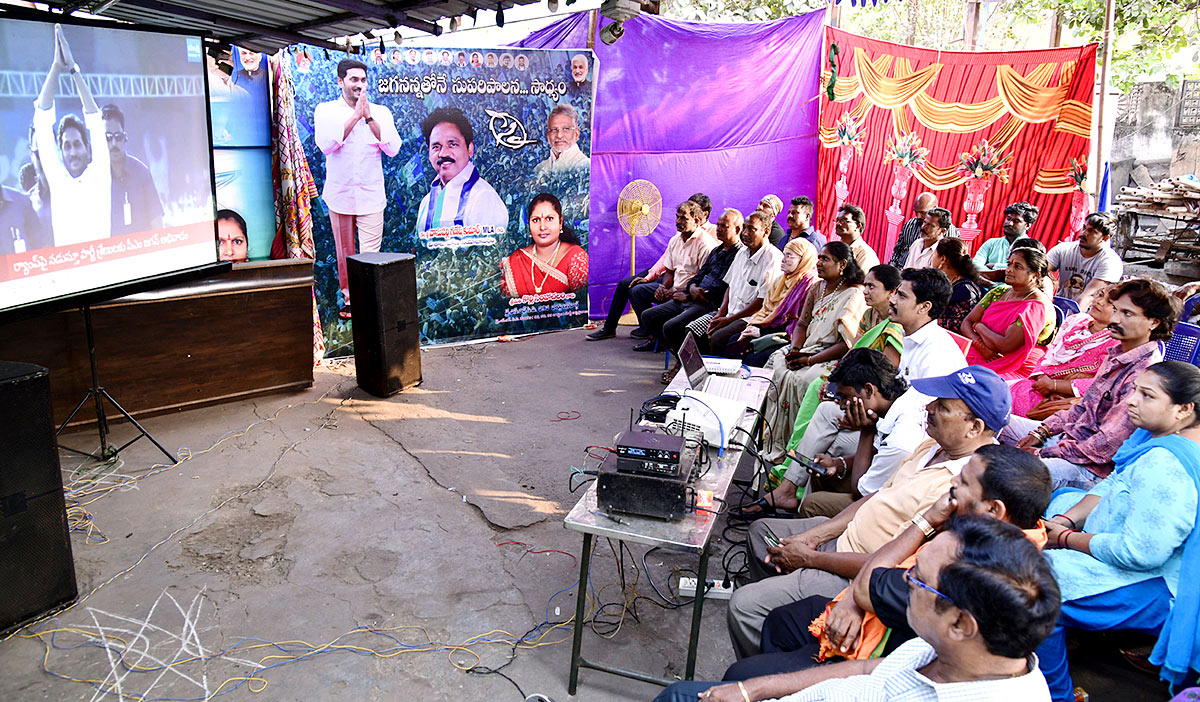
{"type": "Point", "coordinates": [369, 120]}
{"type": "Point", "coordinates": [921, 523]}
{"type": "Point", "coordinates": [74, 68]}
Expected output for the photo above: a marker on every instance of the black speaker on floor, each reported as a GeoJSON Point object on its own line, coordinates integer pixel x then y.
{"type": "Point", "coordinates": [387, 338]}
{"type": "Point", "coordinates": [37, 572]}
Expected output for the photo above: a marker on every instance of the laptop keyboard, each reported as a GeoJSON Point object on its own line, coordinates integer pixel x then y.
{"type": "Point", "coordinates": [727, 388]}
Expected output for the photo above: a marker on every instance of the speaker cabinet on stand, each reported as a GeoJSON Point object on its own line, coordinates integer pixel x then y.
{"type": "Point", "coordinates": [387, 339]}
{"type": "Point", "coordinates": [37, 571]}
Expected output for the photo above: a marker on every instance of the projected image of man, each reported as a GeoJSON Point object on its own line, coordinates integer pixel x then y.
{"type": "Point", "coordinates": [354, 134]}
{"type": "Point", "coordinates": [562, 131]}
{"type": "Point", "coordinates": [20, 228]}
{"type": "Point", "coordinates": [458, 196]}
{"type": "Point", "coordinates": [135, 203]}
{"type": "Point", "coordinates": [78, 174]}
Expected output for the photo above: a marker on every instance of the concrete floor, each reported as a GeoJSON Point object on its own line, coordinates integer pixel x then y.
{"type": "Point", "coordinates": [348, 510]}
{"type": "Point", "coordinates": [340, 510]}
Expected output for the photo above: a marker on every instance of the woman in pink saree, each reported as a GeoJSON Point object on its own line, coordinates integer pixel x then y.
{"type": "Point", "coordinates": [1005, 324]}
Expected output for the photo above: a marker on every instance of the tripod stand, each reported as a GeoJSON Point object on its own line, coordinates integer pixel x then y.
{"type": "Point", "coordinates": [99, 394]}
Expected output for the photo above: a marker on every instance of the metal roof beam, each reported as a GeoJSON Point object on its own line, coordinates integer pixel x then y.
{"type": "Point", "coordinates": [392, 17]}
{"type": "Point", "coordinates": [228, 22]}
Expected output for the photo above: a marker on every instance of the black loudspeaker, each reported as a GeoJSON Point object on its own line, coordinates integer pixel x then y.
{"type": "Point", "coordinates": [37, 572]}
{"type": "Point", "coordinates": [387, 338]}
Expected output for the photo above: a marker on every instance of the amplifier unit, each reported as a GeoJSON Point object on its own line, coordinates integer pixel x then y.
{"type": "Point", "coordinates": [647, 494]}
{"type": "Point", "coordinates": [649, 453]}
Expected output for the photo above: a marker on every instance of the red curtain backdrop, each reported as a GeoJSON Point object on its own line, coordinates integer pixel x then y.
{"type": "Point", "coordinates": [1036, 106]}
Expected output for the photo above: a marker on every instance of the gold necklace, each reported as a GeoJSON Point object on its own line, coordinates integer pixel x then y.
{"type": "Point", "coordinates": [537, 287]}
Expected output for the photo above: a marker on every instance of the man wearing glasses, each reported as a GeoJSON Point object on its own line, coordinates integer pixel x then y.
{"type": "Point", "coordinates": [981, 600]}
{"type": "Point", "coordinates": [562, 131]}
{"type": "Point", "coordinates": [135, 203]}
{"type": "Point", "coordinates": [912, 228]}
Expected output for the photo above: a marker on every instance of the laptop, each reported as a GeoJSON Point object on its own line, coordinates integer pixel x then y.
{"type": "Point", "coordinates": [701, 376]}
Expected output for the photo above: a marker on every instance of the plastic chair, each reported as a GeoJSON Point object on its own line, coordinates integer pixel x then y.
{"type": "Point", "coordinates": [1184, 343]}
{"type": "Point", "coordinates": [1067, 305]}
{"type": "Point", "coordinates": [1189, 305]}
{"type": "Point", "coordinates": [963, 342]}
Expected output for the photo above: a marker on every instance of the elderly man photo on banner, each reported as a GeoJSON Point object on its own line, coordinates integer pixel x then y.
{"type": "Point", "coordinates": [353, 134]}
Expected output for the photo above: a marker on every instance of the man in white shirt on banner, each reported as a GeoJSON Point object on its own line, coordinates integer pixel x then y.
{"type": "Point", "coordinates": [459, 196]}
{"type": "Point", "coordinates": [74, 156]}
{"type": "Point", "coordinates": [562, 131]}
{"type": "Point", "coordinates": [353, 134]}
{"type": "Point", "coordinates": [1088, 264]}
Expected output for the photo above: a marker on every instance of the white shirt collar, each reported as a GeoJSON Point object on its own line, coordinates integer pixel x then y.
{"type": "Point", "coordinates": [458, 180]}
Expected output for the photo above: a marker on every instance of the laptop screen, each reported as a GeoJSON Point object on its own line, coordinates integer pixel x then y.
{"type": "Point", "coordinates": [693, 362]}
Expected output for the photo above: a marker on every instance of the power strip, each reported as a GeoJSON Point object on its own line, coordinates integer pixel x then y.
{"type": "Point", "coordinates": [715, 590]}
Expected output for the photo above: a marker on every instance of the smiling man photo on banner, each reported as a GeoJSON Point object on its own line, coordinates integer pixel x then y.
{"type": "Point", "coordinates": [562, 131]}
{"type": "Point", "coordinates": [353, 134]}
{"type": "Point", "coordinates": [458, 196]}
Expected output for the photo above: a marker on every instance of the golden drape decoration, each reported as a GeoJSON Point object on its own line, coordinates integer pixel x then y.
{"type": "Point", "coordinates": [1054, 181]}
{"type": "Point", "coordinates": [890, 93]}
{"type": "Point", "coordinates": [1075, 118]}
{"type": "Point", "coordinates": [1026, 99]}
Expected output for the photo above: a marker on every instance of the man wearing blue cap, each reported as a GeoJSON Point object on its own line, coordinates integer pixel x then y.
{"type": "Point", "coordinates": [818, 556]}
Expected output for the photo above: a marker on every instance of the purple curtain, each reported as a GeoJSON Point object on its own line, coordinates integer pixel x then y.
{"type": "Point", "coordinates": [725, 109]}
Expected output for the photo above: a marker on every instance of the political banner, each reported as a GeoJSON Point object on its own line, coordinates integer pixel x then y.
{"type": "Point", "coordinates": [474, 160]}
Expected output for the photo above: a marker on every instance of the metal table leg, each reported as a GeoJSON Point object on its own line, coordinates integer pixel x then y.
{"type": "Point", "coordinates": [585, 560]}
{"type": "Point", "coordinates": [697, 609]}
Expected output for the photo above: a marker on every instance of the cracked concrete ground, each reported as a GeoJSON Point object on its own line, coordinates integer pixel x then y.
{"type": "Point", "coordinates": [346, 510]}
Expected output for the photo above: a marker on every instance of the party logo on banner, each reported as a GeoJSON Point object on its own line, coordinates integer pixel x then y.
{"type": "Point", "coordinates": [474, 160]}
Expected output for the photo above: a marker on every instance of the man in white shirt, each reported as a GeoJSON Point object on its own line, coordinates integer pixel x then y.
{"type": "Point", "coordinates": [1087, 265]}
{"type": "Point", "coordinates": [686, 252]}
{"type": "Point", "coordinates": [929, 350]}
{"type": "Point", "coordinates": [982, 598]}
{"type": "Point", "coordinates": [754, 269]}
{"type": "Point", "coordinates": [850, 225]}
{"type": "Point", "coordinates": [459, 196]}
{"type": "Point", "coordinates": [562, 131]}
{"type": "Point", "coordinates": [353, 134]}
{"type": "Point", "coordinates": [920, 254]}
{"type": "Point", "coordinates": [74, 156]}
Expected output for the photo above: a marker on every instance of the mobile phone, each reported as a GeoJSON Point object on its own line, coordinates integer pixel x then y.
{"type": "Point", "coordinates": [808, 464]}
{"type": "Point", "coordinates": [770, 537]}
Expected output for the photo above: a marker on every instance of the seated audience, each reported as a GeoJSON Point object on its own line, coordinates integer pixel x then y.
{"type": "Point", "coordinates": [911, 230]}
{"type": "Point", "coordinates": [992, 256]}
{"type": "Point", "coordinates": [1078, 443]}
{"type": "Point", "coordinates": [982, 598]}
{"type": "Point", "coordinates": [875, 332]}
{"type": "Point", "coordinates": [749, 279]}
{"type": "Point", "coordinates": [781, 307]}
{"type": "Point", "coordinates": [1070, 363]}
{"type": "Point", "coordinates": [850, 226]}
{"type": "Point", "coordinates": [966, 285]}
{"type": "Point", "coordinates": [937, 223]}
{"type": "Point", "coordinates": [685, 253]}
{"type": "Point", "coordinates": [827, 328]}
{"type": "Point", "coordinates": [818, 556]}
{"type": "Point", "coordinates": [1088, 264]}
{"type": "Point", "coordinates": [867, 618]}
{"type": "Point", "coordinates": [799, 219]}
{"type": "Point", "coordinates": [1127, 553]}
{"type": "Point", "coordinates": [874, 424]}
{"type": "Point", "coordinates": [1004, 326]}
{"type": "Point", "coordinates": [701, 295]}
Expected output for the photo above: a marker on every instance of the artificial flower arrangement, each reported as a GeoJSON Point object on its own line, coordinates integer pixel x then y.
{"type": "Point", "coordinates": [1079, 170]}
{"type": "Point", "coordinates": [906, 151]}
{"type": "Point", "coordinates": [851, 132]}
{"type": "Point", "coordinates": [983, 161]}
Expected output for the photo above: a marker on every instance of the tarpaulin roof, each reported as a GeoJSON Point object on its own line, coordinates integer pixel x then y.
{"type": "Point", "coordinates": [267, 25]}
